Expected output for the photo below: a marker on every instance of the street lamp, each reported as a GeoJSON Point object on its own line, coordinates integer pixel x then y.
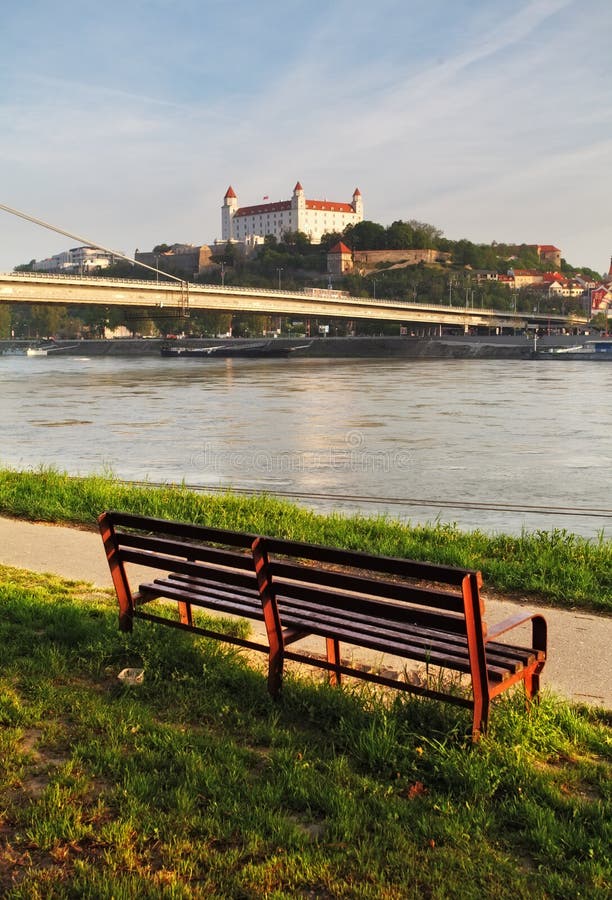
{"type": "Point", "coordinates": [279, 271]}
{"type": "Point", "coordinates": [374, 283]}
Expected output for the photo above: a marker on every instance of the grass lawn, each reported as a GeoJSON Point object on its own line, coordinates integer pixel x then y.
{"type": "Point", "coordinates": [195, 784]}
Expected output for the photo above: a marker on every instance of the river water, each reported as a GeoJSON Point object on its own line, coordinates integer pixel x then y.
{"type": "Point", "coordinates": [422, 436]}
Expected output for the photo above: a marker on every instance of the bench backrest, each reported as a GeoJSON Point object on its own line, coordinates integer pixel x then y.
{"type": "Point", "coordinates": [427, 594]}
{"type": "Point", "coordinates": [192, 550]}
{"type": "Point", "coordinates": [430, 595]}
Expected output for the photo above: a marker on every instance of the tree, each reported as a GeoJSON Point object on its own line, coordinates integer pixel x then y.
{"type": "Point", "coordinates": [297, 241]}
{"type": "Point", "coordinates": [425, 236]}
{"type": "Point", "coordinates": [400, 236]}
{"type": "Point", "coordinates": [329, 239]}
{"type": "Point", "coordinates": [365, 235]}
{"type": "Point", "coordinates": [5, 321]}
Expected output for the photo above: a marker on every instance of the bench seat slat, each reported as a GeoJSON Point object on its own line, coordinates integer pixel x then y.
{"type": "Point", "coordinates": [221, 601]}
{"type": "Point", "coordinates": [409, 646]}
{"type": "Point", "coordinates": [349, 607]}
{"type": "Point", "coordinates": [355, 628]}
{"type": "Point", "coordinates": [389, 609]}
{"type": "Point", "coordinates": [213, 578]}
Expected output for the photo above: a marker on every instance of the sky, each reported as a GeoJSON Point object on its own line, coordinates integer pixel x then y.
{"type": "Point", "coordinates": [124, 123]}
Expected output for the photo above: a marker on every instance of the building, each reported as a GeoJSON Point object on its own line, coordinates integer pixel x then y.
{"type": "Point", "coordinates": [183, 260]}
{"type": "Point", "coordinates": [550, 254]}
{"type": "Point", "coordinates": [80, 260]}
{"type": "Point", "coordinates": [524, 277]}
{"type": "Point", "coordinates": [339, 259]}
{"type": "Point", "coordinates": [251, 224]}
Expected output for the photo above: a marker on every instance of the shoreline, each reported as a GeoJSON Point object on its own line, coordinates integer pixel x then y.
{"type": "Point", "coordinates": [380, 347]}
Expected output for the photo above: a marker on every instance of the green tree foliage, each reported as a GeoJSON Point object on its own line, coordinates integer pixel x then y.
{"type": "Point", "coordinates": [5, 321]}
{"type": "Point", "coordinates": [297, 241]}
{"type": "Point", "coordinates": [330, 239]}
{"type": "Point", "coordinates": [400, 236]}
{"type": "Point", "coordinates": [366, 235]}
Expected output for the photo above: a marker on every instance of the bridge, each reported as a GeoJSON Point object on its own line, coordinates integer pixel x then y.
{"type": "Point", "coordinates": [180, 298]}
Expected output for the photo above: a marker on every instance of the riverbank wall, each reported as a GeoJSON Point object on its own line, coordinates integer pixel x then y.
{"type": "Point", "coordinates": [445, 347]}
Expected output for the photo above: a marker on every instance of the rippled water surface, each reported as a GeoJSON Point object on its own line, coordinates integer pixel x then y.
{"type": "Point", "coordinates": [438, 431]}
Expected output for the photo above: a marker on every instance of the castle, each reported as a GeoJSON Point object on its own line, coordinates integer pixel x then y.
{"type": "Point", "coordinates": [251, 224]}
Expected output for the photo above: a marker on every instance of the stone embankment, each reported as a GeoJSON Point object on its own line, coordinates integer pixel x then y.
{"type": "Point", "coordinates": [444, 347]}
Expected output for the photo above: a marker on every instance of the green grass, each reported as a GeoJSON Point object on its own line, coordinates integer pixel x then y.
{"type": "Point", "coordinates": [196, 784]}
{"type": "Point", "coordinates": [554, 566]}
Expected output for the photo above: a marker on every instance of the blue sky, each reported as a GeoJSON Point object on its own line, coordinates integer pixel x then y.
{"type": "Point", "coordinates": [126, 122]}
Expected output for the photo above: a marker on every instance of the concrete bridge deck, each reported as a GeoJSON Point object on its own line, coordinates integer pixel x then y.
{"type": "Point", "coordinates": [181, 297]}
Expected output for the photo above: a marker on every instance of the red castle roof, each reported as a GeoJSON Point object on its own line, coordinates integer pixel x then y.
{"type": "Point", "coordinates": [263, 208]}
{"type": "Point", "coordinates": [340, 248]}
{"type": "Point", "coordinates": [332, 207]}
{"type": "Point", "coordinates": [281, 206]}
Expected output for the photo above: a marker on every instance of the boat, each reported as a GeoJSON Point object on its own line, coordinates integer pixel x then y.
{"type": "Point", "coordinates": [598, 351]}
{"type": "Point", "coordinates": [49, 347]}
{"type": "Point", "coordinates": [260, 350]}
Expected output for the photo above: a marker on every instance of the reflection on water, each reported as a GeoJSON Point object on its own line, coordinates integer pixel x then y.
{"type": "Point", "coordinates": [501, 432]}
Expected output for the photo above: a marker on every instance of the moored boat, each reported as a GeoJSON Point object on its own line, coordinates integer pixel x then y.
{"type": "Point", "coordinates": [598, 350]}
{"type": "Point", "coordinates": [259, 350]}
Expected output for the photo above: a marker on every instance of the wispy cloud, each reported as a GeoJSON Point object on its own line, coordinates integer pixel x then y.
{"type": "Point", "coordinates": [475, 116]}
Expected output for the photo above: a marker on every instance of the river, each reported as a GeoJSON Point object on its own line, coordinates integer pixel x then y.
{"type": "Point", "coordinates": [421, 437]}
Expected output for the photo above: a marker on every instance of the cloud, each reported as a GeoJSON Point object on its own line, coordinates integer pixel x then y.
{"type": "Point", "coordinates": [462, 116]}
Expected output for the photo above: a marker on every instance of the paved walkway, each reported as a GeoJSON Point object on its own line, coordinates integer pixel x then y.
{"type": "Point", "coordinates": [580, 644]}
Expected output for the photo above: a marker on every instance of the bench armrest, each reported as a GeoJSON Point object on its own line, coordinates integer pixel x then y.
{"type": "Point", "coordinates": [538, 627]}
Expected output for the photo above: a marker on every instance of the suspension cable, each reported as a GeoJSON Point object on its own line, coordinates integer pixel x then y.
{"type": "Point", "coordinates": [82, 240]}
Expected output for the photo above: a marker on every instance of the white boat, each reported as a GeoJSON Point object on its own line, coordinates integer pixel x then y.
{"type": "Point", "coordinates": [596, 350]}
{"type": "Point", "coordinates": [46, 349]}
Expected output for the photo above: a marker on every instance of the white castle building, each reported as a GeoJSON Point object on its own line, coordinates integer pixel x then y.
{"type": "Point", "coordinates": [313, 217]}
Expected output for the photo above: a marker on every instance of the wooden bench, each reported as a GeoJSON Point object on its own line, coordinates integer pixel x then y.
{"type": "Point", "coordinates": [422, 612]}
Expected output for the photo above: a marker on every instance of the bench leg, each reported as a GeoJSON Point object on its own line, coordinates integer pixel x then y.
{"type": "Point", "coordinates": [271, 616]}
{"type": "Point", "coordinates": [480, 720]}
{"type": "Point", "coordinates": [275, 671]}
{"type": "Point", "coordinates": [118, 574]}
{"type": "Point", "coordinates": [532, 687]}
{"type": "Point", "coordinates": [185, 614]}
{"type": "Point", "coordinates": [333, 657]}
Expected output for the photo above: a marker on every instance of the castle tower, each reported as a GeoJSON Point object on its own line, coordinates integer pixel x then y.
{"type": "Point", "coordinates": [610, 270]}
{"type": "Point", "coordinates": [228, 211]}
{"type": "Point", "coordinates": [298, 208]}
{"type": "Point", "coordinates": [357, 204]}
